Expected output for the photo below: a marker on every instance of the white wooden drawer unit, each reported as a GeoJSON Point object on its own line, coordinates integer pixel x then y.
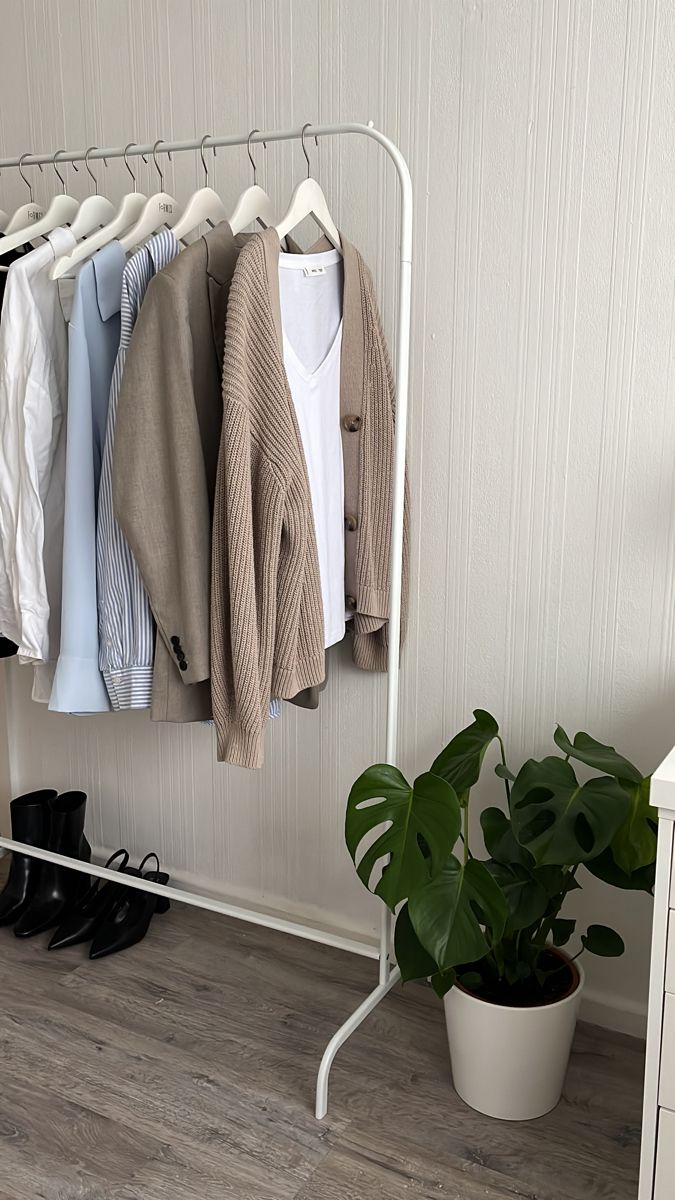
{"type": "Point", "coordinates": [657, 1162]}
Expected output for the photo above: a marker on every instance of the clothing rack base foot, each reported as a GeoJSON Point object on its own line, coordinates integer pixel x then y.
{"type": "Point", "coordinates": [344, 1032]}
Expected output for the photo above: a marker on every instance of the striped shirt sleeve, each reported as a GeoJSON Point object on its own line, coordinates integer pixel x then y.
{"type": "Point", "coordinates": [126, 627]}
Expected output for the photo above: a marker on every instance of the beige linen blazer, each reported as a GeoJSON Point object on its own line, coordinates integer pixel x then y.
{"type": "Point", "coordinates": [165, 459]}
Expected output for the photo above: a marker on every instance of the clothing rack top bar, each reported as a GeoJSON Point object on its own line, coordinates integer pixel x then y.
{"type": "Point", "coordinates": [237, 139]}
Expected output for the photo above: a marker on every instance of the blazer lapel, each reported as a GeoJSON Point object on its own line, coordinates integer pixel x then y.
{"type": "Point", "coordinates": [222, 251]}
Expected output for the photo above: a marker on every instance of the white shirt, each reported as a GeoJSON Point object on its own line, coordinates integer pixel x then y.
{"type": "Point", "coordinates": [33, 390]}
{"type": "Point", "coordinates": [310, 292]}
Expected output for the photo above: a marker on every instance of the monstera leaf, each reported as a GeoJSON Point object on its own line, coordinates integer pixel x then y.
{"type": "Point", "coordinates": [602, 758]}
{"type": "Point", "coordinates": [634, 844]}
{"type": "Point", "coordinates": [413, 960]}
{"type": "Point", "coordinates": [561, 930]}
{"type": "Point", "coordinates": [447, 913]}
{"type": "Point", "coordinates": [461, 760]}
{"type": "Point", "coordinates": [424, 816]}
{"type": "Point", "coordinates": [500, 840]}
{"type": "Point", "coordinates": [601, 940]}
{"type": "Point", "coordinates": [525, 897]}
{"type": "Point", "coordinates": [561, 821]}
{"type": "Point", "coordinates": [605, 868]}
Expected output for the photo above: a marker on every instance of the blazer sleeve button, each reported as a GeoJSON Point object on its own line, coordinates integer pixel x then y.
{"type": "Point", "coordinates": [183, 665]}
{"type": "Point", "coordinates": [175, 641]}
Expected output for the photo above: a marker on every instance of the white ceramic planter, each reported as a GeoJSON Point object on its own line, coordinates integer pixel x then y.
{"type": "Point", "coordinates": [510, 1063]}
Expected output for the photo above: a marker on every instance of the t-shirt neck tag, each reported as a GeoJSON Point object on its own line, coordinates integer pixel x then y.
{"type": "Point", "coordinates": [309, 271]}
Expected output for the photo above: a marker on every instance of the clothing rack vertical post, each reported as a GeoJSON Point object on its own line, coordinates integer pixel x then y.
{"type": "Point", "coordinates": [388, 973]}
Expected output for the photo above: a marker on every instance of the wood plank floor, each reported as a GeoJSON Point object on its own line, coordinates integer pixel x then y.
{"type": "Point", "coordinates": [185, 1069]}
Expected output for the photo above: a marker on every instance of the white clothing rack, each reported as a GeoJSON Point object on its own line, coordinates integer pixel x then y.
{"type": "Point", "coordinates": [388, 973]}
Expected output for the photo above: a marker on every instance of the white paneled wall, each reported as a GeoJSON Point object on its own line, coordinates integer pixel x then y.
{"type": "Point", "coordinates": [540, 134]}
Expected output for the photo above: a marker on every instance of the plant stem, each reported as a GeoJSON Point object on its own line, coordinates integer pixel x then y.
{"type": "Point", "coordinates": [504, 764]}
{"type": "Point", "coordinates": [563, 965]}
{"type": "Point", "coordinates": [547, 924]}
{"type": "Point", "coordinates": [465, 833]}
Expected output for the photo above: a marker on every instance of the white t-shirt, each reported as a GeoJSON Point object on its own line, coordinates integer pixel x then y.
{"type": "Point", "coordinates": [310, 291]}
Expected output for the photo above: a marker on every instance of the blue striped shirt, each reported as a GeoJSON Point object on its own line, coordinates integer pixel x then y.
{"type": "Point", "coordinates": [126, 627]}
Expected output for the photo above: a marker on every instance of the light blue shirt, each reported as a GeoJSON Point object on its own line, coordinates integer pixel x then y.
{"type": "Point", "coordinates": [93, 342]}
{"type": "Point", "coordinates": [126, 625]}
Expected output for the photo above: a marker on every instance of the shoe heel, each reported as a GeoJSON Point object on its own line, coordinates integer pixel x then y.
{"type": "Point", "coordinates": [163, 904]}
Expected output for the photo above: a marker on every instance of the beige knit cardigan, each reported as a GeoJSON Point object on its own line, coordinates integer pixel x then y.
{"type": "Point", "coordinates": [267, 633]}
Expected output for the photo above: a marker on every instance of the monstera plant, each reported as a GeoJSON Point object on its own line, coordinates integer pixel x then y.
{"type": "Point", "coordinates": [492, 922]}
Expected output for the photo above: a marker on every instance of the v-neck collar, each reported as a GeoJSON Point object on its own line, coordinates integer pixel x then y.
{"type": "Point", "coordinates": [322, 367]}
{"type": "Point", "coordinates": [351, 370]}
{"type": "Point", "coordinates": [352, 358]}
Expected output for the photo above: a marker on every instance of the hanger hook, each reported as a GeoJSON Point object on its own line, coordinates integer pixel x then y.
{"type": "Point", "coordinates": [157, 166]}
{"type": "Point", "coordinates": [306, 126]}
{"type": "Point", "coordinates": [250, 156]}
{"type": "Point", "coordinates": [127, 148]}
{"type": "Point", "coordinates": [201, 154]}
{"type": "Point", "coordinates": [24, 177]}
{"type": "Point", "coordinates": [89, 170]}
{"type": "Point", "coordinates": [59, 176]}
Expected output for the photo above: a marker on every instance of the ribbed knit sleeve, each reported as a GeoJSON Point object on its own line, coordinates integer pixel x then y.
{"type": "Point", "coordinates": [371, 633]}
{"type": "Point", "coordinates": [246, 539]}
{"type": "Point", "coordinates": [247, 527]}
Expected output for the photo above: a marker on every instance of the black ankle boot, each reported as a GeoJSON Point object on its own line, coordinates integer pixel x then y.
{"type": "Point", "coordinates": [58, 887]}
{"type": "Point", "coordinates": [30, 824]}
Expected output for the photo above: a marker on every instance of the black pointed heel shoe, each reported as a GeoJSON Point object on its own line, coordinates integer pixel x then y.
{"type": "Point", "coordinates": [88, 914]}
{"type": "Point", "coordinates": [58, 888]}
{"type": "Point", "coordinates": [29, 816]}
{"type": "Point", "coordinates": [130, 919]}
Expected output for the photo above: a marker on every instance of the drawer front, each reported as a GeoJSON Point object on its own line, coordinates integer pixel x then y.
{"type": "Point", "coordinates": [667, 1076]}
{"type": "Point", "coordinates": [664, 1183]}
{"type": "Point", "coordinates": [670, 955]}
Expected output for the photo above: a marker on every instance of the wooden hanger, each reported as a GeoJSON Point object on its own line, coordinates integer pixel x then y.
{"type": "Point", "coordinates": [129, 211]}
{"type": "Point", "coordinates": [254, 204]}
{"type": "Point", "coordinates": [308, 200]}
{"type": "Point", "coordinates": [204, 205]}
{"type": "Point", "coordinates": [160, 210]}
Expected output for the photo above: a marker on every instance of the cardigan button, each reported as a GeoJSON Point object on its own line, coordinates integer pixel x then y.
{"type": "Point", "coordinates": [350, 603]}
{"type": "Point", "coordinates": [351, 522]}
{"type": "Point", "coordinates": [352, 423]}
